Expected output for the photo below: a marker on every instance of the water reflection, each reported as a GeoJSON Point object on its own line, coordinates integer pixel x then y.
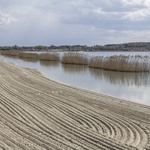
{"type": "Point", "coordinates": [74, 69]}
{"type": "Point", "coordinates": [49, 63]}
{"type": "Point", "coordinates": [122, 78]}
{"type": "Point", "coordinates": [11, 57]}
{"type": "Point", "coordinates": [29, 60]}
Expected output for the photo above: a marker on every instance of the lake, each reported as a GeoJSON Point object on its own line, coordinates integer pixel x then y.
{"type": "Point", "coordinates": [129, 86]}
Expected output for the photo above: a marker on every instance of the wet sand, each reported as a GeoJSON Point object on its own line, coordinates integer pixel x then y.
{"type": "Point", "coordinates": [38, 113]}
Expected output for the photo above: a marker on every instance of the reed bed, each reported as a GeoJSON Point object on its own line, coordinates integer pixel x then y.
{"type": "Point", "coordinates": [11, 53]}
{"type": "Point", "coordinates": [44, 56]}
{"type": "Point", "coordinates": [121, 63]}
{"type": "Point", "coordinates": [75, 58]}
{"type": "Point", "coordinates": [29, 55]}
{"type": "Point", "coordinates": [49, 56]}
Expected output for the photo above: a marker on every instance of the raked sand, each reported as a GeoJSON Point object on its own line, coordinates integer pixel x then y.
{"type": "Point", "coordinates": [37, 113]}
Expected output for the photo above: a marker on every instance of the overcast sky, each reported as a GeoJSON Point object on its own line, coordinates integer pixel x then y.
{"type": "Point", "coordinates": [71, 22]}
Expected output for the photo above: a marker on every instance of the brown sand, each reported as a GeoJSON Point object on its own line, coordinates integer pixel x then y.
{"type": "Point", "coordinates": [37, 113]}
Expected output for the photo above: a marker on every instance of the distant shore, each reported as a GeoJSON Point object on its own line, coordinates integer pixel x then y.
{"type": "Point", "coordinates": [130, 47]}
{"type": "Point", "coordinates": [38, 113]}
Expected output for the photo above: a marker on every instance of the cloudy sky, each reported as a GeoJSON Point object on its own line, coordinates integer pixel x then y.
{"type": "Point", "coordinates": [85, 22]}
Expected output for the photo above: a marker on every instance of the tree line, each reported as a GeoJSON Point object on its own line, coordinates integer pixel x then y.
{"type": "Point", "coordinates": [135, 46]}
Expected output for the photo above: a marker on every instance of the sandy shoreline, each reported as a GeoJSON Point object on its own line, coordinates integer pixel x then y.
{"type": "Point", "coordinates": [37, 113]}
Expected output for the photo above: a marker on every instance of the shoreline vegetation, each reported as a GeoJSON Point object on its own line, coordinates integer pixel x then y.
{"type": "Point", "coordinates": [74, 58]}
{"type": "Point", "coordinates": [133, 46]}
{"type": "Point", "coordinates": [119, 63]}
{"type": "Point", "coordinates": [38, 113]}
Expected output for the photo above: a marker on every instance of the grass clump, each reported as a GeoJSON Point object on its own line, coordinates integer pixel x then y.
{"type": "Point", "coordinates": [75, 58]}
{"type": "Point", "coordinates": [49, 56]}
{"type": "Point", "coordinates": [121, 63]}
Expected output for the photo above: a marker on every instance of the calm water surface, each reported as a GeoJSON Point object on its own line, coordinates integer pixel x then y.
{"type": "Point", "coordinates": [130, 86]}
{"type": "Point", "coordinates": [107, 53]}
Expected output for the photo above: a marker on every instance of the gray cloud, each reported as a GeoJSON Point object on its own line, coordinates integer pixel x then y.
{"type": "Point", "coordinates": [6, 19]}
{"type": "Point", "coordinates": [73, 22]}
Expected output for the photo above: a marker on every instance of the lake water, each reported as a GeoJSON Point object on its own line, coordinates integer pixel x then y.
{"type": "Point", "coordinates": [102, 53]}
{"type": "Point", "coordinates": [129, 86]}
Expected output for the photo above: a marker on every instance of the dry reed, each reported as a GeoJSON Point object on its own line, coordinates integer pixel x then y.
{"type": "Point", "coordinates": [121, 63]}
{"type": "Point", "coordinates": [11, 53]}
{"type": "Point", "coordinates": [29, 55]}
{"type": "Point", "coordinates": [49, 56]}
{"type": "Point", "coordinates": [75, 58]}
